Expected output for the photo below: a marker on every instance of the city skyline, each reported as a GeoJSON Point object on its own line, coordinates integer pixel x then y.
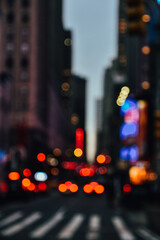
{"type": "Point", "coordinates": [94, 30]}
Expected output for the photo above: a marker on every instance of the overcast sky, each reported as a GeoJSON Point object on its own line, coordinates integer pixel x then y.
{"type": "Point", "coordinates": [94, 32]}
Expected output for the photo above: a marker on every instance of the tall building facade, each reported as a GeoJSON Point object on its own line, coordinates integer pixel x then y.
{"type": "Point", "coordinates": [36, 52]}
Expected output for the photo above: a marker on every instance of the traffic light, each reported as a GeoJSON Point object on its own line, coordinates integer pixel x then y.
{"type": "Point", "coordinates": [135, 12]}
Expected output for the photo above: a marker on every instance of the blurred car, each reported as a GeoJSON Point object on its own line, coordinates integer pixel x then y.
{"type": "Point", "coordinates": [93, 187]}
{"type": "Point", "coordinates": [68, 188]}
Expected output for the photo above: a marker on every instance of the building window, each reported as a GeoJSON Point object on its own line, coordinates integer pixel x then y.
{"type": "Point", "coordinates": [122, 26]}
{"type": "Point", "coordinates": [24, 76]}
{"type": "Point", "coordinates": [24, 62]}
{"type": "Point", "coordinates": [25, 32]}
{"type": "Point", "coordinates": [9, 63]}
{"type": "Point", "coordinates": [23, 106]}
{"type": "Point", "coordinates": [25, 18]}
{"type": "Point", "coordinates": [10, 48]}
{"type": "Point", "coordinates": [25, 3]}
{"type": "Point", "coordinates": [25, 48]}
{"type": "Point", "coordinates": [10, 17]}
{"type": "Point", "coordinates": [23, 91]}
{"type": "Point", "coordinates": [10, 33]}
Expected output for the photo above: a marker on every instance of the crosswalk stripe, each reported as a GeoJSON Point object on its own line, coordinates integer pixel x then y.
{"type": "Point", "coordinates": [44, 228]}
{"type": "Point", "coordinates": [19, 226]}
{"type": "Point", "coordinates": [69, 230]}
{"type": "Point", "coordinates": [147, 234]}
{"type": "Point", "coordinates": [13, 217]}
{"type": "Point", "coordinates": [94, 223]}
{"type": "Point", "coordinates": [122, 229]}
{"type": "Point", "coordinates": [93, 227]}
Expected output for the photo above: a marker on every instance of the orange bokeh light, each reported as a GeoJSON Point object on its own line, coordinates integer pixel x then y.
{"type": "Point", "coordinates": [146, 50]}
{"type": "Point", "coordinates": [137, 175]}
{"type": "Point", "coordinates": [99, 189]}
{"type": "Point", "coordinates": [41, 157]}
{"type": "Point", "coordinates": [73, 188]}
{"type": "Point", "coordinates": [101, 158]}
{"type": "Point", "coordinates": [26, 172]}
{"type": "Point", "coordinates": [31, 187]}
{"type": "Point", "coordinates": [88, 188]}
{"type": "Point", "coordinates": [13, 176]}
{"type": "Point", "coordinates": [62, 188]}
{"type": "Point", "coordinates": [26, 182]}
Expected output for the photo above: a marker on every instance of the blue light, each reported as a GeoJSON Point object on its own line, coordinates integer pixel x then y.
{"type": "Point", "coordinates": [128, 130]}
{"type": "Point", "coordinates": [129, 153]}
{"type": "Point", "coordinates": [3, 156]}
{"type": "Point", "coordinates": [158, 1]}
{"type": "Point", "coordinates": [124, 153]}
{"type": "Point", "coordinates": [133, 153]}
{"type": "Point", "coordinates": [127, 106]}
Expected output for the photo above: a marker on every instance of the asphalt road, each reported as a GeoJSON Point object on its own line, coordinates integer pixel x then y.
{"type": "Point", "coordinates": [76, 217]}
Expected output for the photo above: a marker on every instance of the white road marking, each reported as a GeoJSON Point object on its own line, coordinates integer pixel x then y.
{"type": "Point", "coordinates": [19, 226]}
{"type": "Point", "coordinates": [44, 228]}
{"type": "Point", "coordinates": [122, 229]}
{"type": "Point", "coordinates": [69, 230]}
{"type": "Point", "coordinates": [147, 234]}
{"type": "Point", "coordinates": [13, 217]}
{"type": "Point", "coordinates": [93, 227]}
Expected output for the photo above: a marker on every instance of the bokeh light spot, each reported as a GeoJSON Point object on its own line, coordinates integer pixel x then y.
{"type": "Point", "coordinates": [41, 157]}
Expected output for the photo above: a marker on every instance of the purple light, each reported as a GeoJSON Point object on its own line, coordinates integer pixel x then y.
{"type": "Point", "coordinates": [128, 130]}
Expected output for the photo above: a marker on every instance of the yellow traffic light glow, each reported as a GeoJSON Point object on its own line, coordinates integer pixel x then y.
{"type": "Point", "coordinates": [78, 152]}
{"type": "Point", "coordinates": [122, 96]}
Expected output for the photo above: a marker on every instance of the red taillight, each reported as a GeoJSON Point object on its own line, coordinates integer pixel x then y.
{"type": "Point", "coordinates": [26, 182]}
{"type": "Point", "coordinates": [41, 157]}
{"type": "Point", "coordinates": [88, 188]}
{"type": "Point", "coordinates": [99, 189]}
{"type": "Point", "coordinates": [93, 184]}
{"type": "Point", "coordinates": [13, 176]}
{"type": "Point", "coordinates": [73, 188]}
{"type": "Point", "coordinates": [127, 188]}
{"type": "Point", "coordinates": [68, 184]}
{"type": "Point", "coordinates": [31, 187]}
{"type": "Point", "coordinates": [26, 172]}
{"type": "Point", "coordinates": [62, 188]}
{"type": "Point", "coordinates": [42, 186]}
{"type": "Point", "coordinates": [3, 187]}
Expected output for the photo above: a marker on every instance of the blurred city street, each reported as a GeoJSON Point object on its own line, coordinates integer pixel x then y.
{"type": "Point", "coordinates": [80, 216]}
{"type": "Point", "coordinates": [66, 173]}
